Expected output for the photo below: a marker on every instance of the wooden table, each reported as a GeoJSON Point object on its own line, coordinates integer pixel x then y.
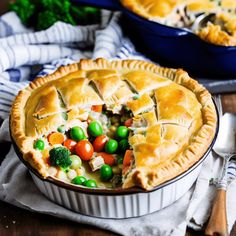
{"type": "Point", "coordinates": [15, 221]}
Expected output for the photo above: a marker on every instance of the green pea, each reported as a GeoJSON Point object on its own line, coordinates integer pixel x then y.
{"type": "Point", "coordinates": [76, 162]}
{"type": "Point", "coordinates": [95, 129]}
{"type": "Point", "coordinates": [91, 183]}
{"type": "Point", "coordinates": [64, 115]}
{"type": "Point", "coordinates": [61, 129]}
{"type": "Point", "coordinates": [123, 145]}
{"type": "Point", "coordinates": [77, 133]}
{"type": "Point", "coordinates": [111, 146]}
{"type": "Point", "coordinates": [106, 172]}
{"type": "Point", "coordinates": [39, 144]}
{"type": "Point", "coordinates": [79, 180]}
{"type": "Point", "coordinates": [122, 132]}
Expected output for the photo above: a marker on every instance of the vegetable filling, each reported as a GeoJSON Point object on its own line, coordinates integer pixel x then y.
{"type": "Point", "coordinates": [93, 153]}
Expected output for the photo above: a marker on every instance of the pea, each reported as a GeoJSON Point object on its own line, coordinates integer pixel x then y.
{"type": "Point", "coordinates": [123, 145]}
{"type": "Point", "coordinates": [77, 133]}
{"type": "Point", "coordinates": [122, 132]}
{"type": "Point", "coordinates": [112, 128]}
{"type": "Point", "coordinates": [111, 146]}
{"type": "Point", "coordinates": [61, 129]}
{"type": "Point", "coordinates": [79, 180]}
{"type": "Point", "coordinates": [106, 172]}
{"type": "Point", "coordinates": [76, 162]}
{"type": "Point", "coordinates": [116, 170]}
{"type": "Point", "coordinates": [95, 129]}
{"type": "Point", "coordinates": [91, 183]}
{"type": "Point", "coordinates": [39, 144]}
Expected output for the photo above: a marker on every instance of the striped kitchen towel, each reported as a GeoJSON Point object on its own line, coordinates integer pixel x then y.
{"type": "Point", "coordinates": [21, 49]}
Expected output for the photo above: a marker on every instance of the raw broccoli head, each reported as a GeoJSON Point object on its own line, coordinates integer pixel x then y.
{"type": "Point", "coordinates": [24, 9]}
{"type": "Point", "coordinates": [60, 156]}
{"type": "Point", "coordinates": [46, 19]}
{"type": "Point", "coordinates": [41, 14]}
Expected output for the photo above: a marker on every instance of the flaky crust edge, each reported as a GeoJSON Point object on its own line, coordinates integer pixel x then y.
{"type": "Point", "coordinates": [195, 151]}
{"type": "Point", "coordinates": [133, 6]}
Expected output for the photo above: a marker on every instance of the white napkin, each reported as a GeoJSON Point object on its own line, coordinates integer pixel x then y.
{"type": "Point", "coordinates": [16, 185]}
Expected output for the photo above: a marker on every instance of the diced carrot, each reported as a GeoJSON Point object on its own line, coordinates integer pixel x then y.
{"type": "Point", "coordinates": [56, 138]}
{"type": "Point", "coordinates": [128, 158]}
{"type": "Point", "coordinates": [108, 158]}
{"type": "Point", "coordinates": [128, 122]}
{"type": "Point", "coordinates": [97, 108]}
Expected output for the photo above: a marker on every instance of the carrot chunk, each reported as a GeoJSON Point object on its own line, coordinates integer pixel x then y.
{"type": "Point", "coordinates": [128, 158]}
{"type": "Point", "coordinates": [55, 138]}
{"type": "Point", "coordinates": [108, 158]}
{"type": "Point", "coordinates": [97, 108]}
{"type": "Point", "coordinates": [128, 122]}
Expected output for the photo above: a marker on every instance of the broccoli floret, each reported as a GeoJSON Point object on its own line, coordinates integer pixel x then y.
{"type": "Point", "coordinates": [53, 11]}
{"type": "Point", "coordinates": [85, 15]}
{"type": "Point", "coordinates": [45, 20]}
{"type": "Point", "coordinates": [44, 13]}
{"type": "Point", "coordinates": [60, 156]}
{"type": "Point", "coordinates": [24, 9]}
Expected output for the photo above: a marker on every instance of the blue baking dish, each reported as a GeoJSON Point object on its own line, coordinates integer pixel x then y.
{"type": "Point", "coordinates": [174, 47]}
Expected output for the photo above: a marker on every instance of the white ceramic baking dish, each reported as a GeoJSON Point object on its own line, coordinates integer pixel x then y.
{"type": "Point", "coordinates": [116, 203]}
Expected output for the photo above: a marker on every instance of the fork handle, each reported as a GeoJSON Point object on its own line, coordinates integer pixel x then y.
{"type": "Point", "coordinates": [217, 224]}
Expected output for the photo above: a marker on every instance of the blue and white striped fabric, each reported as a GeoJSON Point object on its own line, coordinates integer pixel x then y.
{"type": "Point", "coordinates": [20, 49]}
{"type": "Point", "coordinates": [231, 170]}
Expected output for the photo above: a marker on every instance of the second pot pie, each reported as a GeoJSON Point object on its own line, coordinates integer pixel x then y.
{"type": "Point", "coordinates": [113, 124]}
{"type": "Point", "coordinates": [183, 13]}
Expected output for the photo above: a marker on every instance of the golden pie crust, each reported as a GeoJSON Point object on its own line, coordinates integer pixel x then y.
{"type": "Point", "coordinates": [178, 113]}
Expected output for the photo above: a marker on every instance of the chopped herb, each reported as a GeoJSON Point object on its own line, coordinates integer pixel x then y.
{"type": "Point", "coordinates": [211, 181]}
{"type": "Point", "coordinates": [136, 96]}
{"type": "Point", "coordinates": [116, 181]}
{"type": "Point", "coordinates": [64, 115]}
{"type": "Point", "coordinates": [61, 129]}
{"type": "Point", "coordinates": [126, 108]}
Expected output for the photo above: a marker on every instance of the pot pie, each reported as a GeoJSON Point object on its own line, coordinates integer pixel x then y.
{"type": "Point", "coordinates": [183, 13]}
{"type": "Point", "coordinates": [113, 124]}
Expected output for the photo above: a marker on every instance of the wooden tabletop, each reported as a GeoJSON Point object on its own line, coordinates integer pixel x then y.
{"type": "Point", "coordinates": [16, 221]}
